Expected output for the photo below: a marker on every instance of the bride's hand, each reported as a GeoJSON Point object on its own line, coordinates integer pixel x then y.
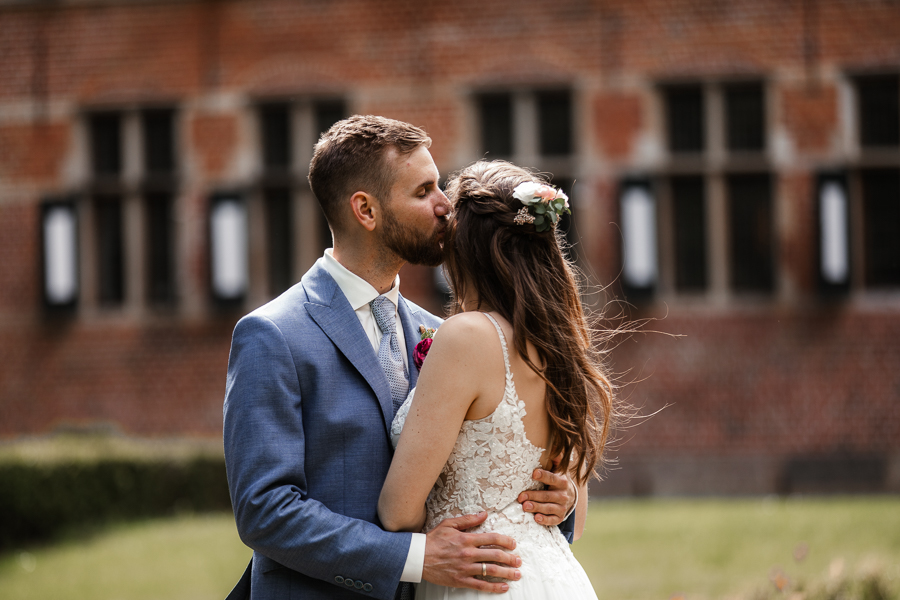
{"type": "Point", "coordinates": [552, 504]}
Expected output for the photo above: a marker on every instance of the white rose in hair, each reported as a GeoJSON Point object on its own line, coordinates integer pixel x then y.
{"type": "Point", "coordinates": [528, 193]}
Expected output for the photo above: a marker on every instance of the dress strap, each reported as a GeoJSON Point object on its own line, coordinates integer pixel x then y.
{"type": "Point", "coordinates": [502, 343]}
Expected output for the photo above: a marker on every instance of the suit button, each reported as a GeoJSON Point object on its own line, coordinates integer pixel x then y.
{"type": "Point", "coordinates": [338, 579]}
{"type": "Point", "coordinates": [358, 585]}
{"type": "Point", "coordinates": [348, 582]}
{"type": "Point", "coordinates": [367, 587]}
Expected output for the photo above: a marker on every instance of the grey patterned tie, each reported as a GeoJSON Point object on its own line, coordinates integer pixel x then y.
{"type": "Point", "coordinates": [389, 354]}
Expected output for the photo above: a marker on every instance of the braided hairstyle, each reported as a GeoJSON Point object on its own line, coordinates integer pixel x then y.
{"type": "Point", "coordinates": [525, 276]}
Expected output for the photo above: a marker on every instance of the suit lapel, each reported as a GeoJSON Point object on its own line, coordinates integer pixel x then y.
{"type": "Point", "coordinates": [412, 335]}
{"type": "Point", "coordinates": [330, 310]}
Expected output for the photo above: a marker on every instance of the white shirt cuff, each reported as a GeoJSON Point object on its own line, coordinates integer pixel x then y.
{"type": "Point", "coordinates": [415, 560]}
{"type": "Point", "coordinates": [568, 514]}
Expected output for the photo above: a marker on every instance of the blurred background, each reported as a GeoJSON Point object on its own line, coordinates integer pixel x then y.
{"type": "Point", "coordinates": [734, 169]}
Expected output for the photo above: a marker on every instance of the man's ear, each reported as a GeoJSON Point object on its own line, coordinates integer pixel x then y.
{"type": "Point", "coordinates": [365, 209]}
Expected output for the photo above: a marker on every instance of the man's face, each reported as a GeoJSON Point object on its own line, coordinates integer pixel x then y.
{"type": "Point", "coordinates": [415, 216]}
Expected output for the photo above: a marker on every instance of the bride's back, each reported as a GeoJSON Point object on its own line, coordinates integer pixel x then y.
{"type": "Point", "coordinates": [529, 386]}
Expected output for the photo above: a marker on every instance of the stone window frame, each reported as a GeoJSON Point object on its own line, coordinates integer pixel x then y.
{"type": "Point", "coordinates": [526, 141]}
{"type": "Point", "coordinates": [715, 163]}
{"type": "Point", "coordinates": [306, 229]}
{"type": "Point", "coordinates": [131, 188]}
{"type": "Point", "coordinates": [861, 160]}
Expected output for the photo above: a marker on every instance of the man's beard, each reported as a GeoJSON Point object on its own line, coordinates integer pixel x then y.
{"type": "Point", "coordinates": [415, 247]}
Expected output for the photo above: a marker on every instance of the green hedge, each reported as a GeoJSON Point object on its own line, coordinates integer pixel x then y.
{"type": "Point", "coordinates": [40, 499]}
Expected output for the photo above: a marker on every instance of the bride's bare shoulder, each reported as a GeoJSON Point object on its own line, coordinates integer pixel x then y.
{"type": "Point", "coordinates": [468, 329]}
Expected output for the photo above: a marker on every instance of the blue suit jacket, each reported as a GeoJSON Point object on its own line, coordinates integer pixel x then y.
{"type": "Point", "coordinates": [307, 447]}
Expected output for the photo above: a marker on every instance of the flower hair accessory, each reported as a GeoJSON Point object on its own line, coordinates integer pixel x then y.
{"type": "Point", "coordinates": [543, 204]}
{"type": "Point", "coordinates": [422, 348]}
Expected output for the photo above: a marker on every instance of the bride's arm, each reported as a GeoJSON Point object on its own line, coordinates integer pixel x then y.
{"type": "Point", "coordinates": [447, 386]}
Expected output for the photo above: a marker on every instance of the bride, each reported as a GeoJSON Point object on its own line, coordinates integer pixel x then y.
{"type": "Point", "coordinates": [512, 383]}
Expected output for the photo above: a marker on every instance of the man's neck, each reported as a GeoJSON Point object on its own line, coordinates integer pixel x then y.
{"type": "Point", "coordinates": [376, 266]}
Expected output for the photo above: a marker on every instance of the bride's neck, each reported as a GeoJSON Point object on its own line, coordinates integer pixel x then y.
{"type": "Point", "coordinates": [470, 304]}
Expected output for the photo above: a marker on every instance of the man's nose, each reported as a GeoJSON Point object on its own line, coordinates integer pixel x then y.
{"type": "Point", "coordinates": [442, 209]}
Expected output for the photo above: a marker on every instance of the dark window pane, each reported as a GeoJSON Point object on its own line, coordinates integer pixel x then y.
{"type": "Point", "coordinates": [555, 123]}
{"type": "Point", "coordinates": [160, 248]}
{"type": "Point", "coordinates": [495, 112]}
{"type": "Point", "coordinates": [159, 141]}
{"type": "Point", "coordinates": [879, 110]}
{"type": "Point", "coordinates": [750, 216]}
{"type": "Point", "coordinates": [108, 227]}
{"type": "Point", "coordinates": [689, 212]}
{"type": "Point", "coordinates": [279, 239]}
{"type": "Point", "coordinates": [327, 114]}
{"type": "Point", "coordinates": [881, 208]}
{"type": "Point", "coordinates": [745, 115]}
{"type": "Point", "coordinates": [684, 115]}
{"type": "Point", "coordinates": [106, 144]}
{"type": "Point", "coordinates": [276, 136]}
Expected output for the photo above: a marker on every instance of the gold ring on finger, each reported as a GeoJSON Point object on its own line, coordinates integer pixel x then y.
{"type": "Point", "coordinates": [484, 569]}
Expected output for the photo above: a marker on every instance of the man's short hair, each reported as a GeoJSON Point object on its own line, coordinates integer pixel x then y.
{"type": "Point", "coordinates": [353, 156]}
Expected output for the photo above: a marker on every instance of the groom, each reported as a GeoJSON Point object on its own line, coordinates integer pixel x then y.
{"type": "Point", "coordinates": [314, 378]}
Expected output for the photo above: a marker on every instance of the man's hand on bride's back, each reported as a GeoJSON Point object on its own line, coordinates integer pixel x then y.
{"type": "Point", "coordinates": [551, 504]}
{"type": "Point", "coordinates": [454, 558]}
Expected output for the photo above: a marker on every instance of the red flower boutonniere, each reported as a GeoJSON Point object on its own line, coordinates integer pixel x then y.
{"type": "Point", "coordinates": [423, 346]}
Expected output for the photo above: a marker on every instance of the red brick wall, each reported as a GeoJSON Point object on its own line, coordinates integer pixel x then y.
{"type": "Point", "coordinates": [790, 375]}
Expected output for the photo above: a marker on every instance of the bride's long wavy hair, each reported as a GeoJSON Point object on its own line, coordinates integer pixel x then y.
{"type": "Point", "coordinates": [526, 277]}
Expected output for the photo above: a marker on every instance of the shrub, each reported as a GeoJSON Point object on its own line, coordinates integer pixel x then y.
{"type": "Point", "coordinates": [39, 499]}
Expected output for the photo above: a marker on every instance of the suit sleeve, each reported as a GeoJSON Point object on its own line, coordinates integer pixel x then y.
{"type": "Point", "coordinates": [264, 457]}
{"type": "Point", "coordinates": [567, 528]}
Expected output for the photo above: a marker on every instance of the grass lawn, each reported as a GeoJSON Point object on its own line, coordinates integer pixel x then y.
{"type": "Point", "coordinates": [703, 549]}
{"type": "Point", "coordinates": [182, 558]}
{"type": "Point", "coordinates": [632, 549]}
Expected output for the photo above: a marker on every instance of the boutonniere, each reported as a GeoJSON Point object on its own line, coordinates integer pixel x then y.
{"type": "Point", "coordinates": [422, 348]}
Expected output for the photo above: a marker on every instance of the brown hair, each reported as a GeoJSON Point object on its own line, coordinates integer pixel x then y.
{"type": "Point", "coordinates": [526, 277]}
{"type": "Point", "coordinates": [352, 156]}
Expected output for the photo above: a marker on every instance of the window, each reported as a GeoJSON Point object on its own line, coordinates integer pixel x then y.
{"type": "Point", "coordinates": [639, 239]}
{"type": "Point", "coordinates": [282, 182]}
{"type": "Point", "coordinates": [689, 221]}
{"type": "Point", "coordinates": [131, 224]}
{"type": "Point", "coordinates": [59, 236]}
{"type": "Point", "coordinates": [745, 117]}
{"type": "Point", "coordinates": [276, 136]}
{"type": "Point", "coordinates": [495, 111]}
{"type": "Point", "coordinates": [716, 216]}
{"type": "Point", "coordinates": [106, 157]}
{"type": "Point", "coordinates": [879, 111]}
{"type": "Point", "coordinates": [750, 224]}
{"type": "Point", "coordinates": [684, 118]}
{"type": "Point", "coordinates": [878, 178]}
{"type": "Point", "coordinates": [229, 271]}
{"type": "Point", "coordinates": [881, 225]}
{"type": "Point", "coordinates": [106, 145]}
{"type": "Point", "coordinates": [555, 123]}
{"type": "Point", "coordinates": [158, 131]}
{"type": "Point", "coordinates": [526, 124]}
{"type": "Point", "coordinates": [108, 226]}
{"type": "Point", "coordinates": [834, 233]}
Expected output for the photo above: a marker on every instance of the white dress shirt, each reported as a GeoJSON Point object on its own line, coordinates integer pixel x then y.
{"type": "Point", "coordinates": [359, 293]}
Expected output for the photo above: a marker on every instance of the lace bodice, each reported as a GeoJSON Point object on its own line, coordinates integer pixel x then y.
{"type": "Point", "coordinates": [491, 462]}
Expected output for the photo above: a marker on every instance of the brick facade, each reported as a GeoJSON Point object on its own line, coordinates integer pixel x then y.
{"type": "Point", "coordinates": [765, 392]}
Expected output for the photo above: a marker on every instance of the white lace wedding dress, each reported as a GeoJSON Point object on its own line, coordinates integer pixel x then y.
{"type": "Point", "coordinates": [490, 465]}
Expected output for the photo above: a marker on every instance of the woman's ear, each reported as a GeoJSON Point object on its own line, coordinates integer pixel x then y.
{"type": "Point", "coordinates": [365, 209]}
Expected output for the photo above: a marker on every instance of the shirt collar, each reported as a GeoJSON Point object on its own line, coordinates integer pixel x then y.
{"type": "Point", "coordinates": [357, 290]}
